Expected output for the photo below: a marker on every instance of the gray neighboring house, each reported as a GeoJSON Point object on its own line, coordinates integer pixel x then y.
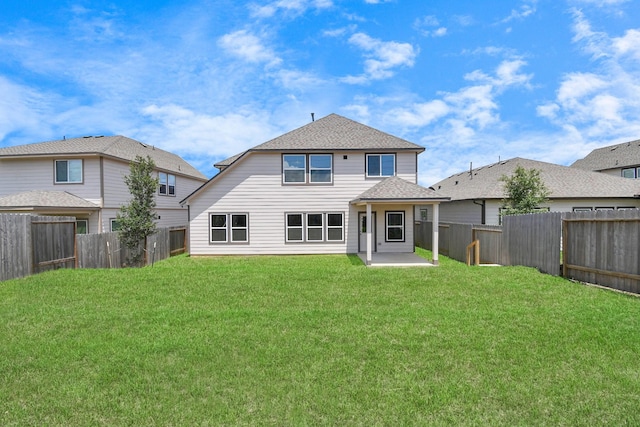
{"type": "Point", "coordinates": [476, 196]}
{"type": "Point", "coordinates": [331, 186]}
{"type": "Point", "coordinates": [617, 160]}
{"type": "Point", "coordinates": [84, 178]}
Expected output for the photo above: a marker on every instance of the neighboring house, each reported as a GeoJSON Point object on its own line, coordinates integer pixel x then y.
{"type": "Point", "coordinates": [617, 160]}
{"type": "Point", "coordinates": [332, 186]}
{"type": "Point", "coordinates": [84, 177]}
{"type": "Point", "coordinates": [476, 196]}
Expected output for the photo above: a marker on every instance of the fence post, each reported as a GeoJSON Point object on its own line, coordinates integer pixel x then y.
{"type": "Point", "coordinates": [476, 252]}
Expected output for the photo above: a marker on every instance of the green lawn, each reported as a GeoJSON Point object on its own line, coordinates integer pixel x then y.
{"type": "Point", "coordinates": [317, 340]}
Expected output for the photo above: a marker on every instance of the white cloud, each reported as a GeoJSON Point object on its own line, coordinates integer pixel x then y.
{"type": "Point", "coordinates": [525, 11]}
{"type": "Point", "coordinates": [420, 114]}
{"type": "Point", "coordinates": [507, 74]}
{"type": "Point", "coordinates": [201, 138]}
{"type": "Point", "coordinates": [382, 57]}
{"type": "Point", "coordinates": [603, 104]}
{"type": "Point", "coordinates": [426, 26]}
{"type": "Point", "coordinates": [293, 7]}
{"type": "Point", "coordinates": [249, 47]}
{"type": "Point", "coordinates": [20, 108]}
{"type": "Point", "coordinates": [629, 44]}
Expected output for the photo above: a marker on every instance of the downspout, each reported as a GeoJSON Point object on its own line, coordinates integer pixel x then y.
{"type": "Point", "coordinates": [100, 224]}
{"type": "Point", "coordinates": [483, 212]}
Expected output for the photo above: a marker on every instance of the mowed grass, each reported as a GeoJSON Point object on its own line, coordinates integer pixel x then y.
{"type": "Point", "coordinates": [315, 340]}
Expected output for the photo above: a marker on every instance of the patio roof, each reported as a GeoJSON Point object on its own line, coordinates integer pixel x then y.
{"type": "Point", "coordinates": [30, 200]}
{"type": "Point", "coordinates": [398, 190]}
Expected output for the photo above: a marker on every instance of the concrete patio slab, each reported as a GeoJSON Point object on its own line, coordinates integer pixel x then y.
{"type": "Point", "coordinates": [405, 259]}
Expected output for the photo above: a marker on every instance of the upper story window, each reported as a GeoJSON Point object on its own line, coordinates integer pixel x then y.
{"type": "Point", "coordinates": [631, 172]}
{"type": "Point", "coordinates": [307, 168]}
{"type": "Point", "coordinates": [381, 165]}
{"type": "Point", "coordinates": [68, 171]}
{"type": "Point", "coordinates": [320, 167]}
{"type": "Point", "coordinates": [167, 183]}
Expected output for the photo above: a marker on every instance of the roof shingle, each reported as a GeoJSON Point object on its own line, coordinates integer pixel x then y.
{"type": "Point", "coordinates": [611, 157]}
{"type": "Point", "coordinates": [562, 181]}
{"type": "Point", "coordinates": [117, 146]}
{"type": "Point", "coordinates": [398, 189]}
{"type": "Point", "coordinates": [335, 132]}
{"type": "Point", "coordinates": [45, 199]}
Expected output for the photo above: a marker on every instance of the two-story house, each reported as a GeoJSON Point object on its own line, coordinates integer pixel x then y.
{"type": "Point", "coordinates": [84, 177]}
{"type": "Point", "coordinates": [331, 186]}
{"type": "Point", "coordinates": [617, 160]}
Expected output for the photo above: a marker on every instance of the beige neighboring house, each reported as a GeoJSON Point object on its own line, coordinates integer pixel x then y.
{"type": "Point", "coordinates": [331, 186]}
{"type": "Point", "coordinates": [476, 196]}
{"type": "Point", "coordinates": [617, 160]}
{"type": "Point", "coordinates": [84, 177]}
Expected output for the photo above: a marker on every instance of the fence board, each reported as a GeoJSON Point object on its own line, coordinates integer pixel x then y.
{"type": "Point", "coordinates": [533, 240]}
{"type": "Point", "coordinates": [490, 238]}
{"type": "Point", "coordinates": [15, 246]}
{"type": "Point", "coordinates": [53, 243]}
{"type": "Point", "coordinates": [602, 247]}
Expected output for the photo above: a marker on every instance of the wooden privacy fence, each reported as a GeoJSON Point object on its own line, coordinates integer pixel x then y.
{"type": "Point", "coordinates": [601, 247]}
{"type": "Point", "coordinates": [105, 250]}
{"type": "Point", "coordinates": [33, 244]}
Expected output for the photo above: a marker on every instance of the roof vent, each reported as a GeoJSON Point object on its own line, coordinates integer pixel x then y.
{"type": "Point", "coordinates": [87, 136]}
{"type": "Point", "coordinates": [456, 183]}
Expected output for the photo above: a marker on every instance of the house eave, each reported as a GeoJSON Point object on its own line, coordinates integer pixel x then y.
{"type": "Point", "coordinates": [416, 201]}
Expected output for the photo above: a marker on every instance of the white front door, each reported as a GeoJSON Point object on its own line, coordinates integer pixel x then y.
{"type": "Point", "coordinates": [362, 232]}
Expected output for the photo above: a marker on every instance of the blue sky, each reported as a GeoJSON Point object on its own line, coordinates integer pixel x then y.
{"type": "Point", "coordinates": [472, 81]}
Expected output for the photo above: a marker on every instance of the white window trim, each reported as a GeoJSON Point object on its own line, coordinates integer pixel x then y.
{"type": "Point", "coordinates": [288, 227]}
{"type": "Point", "coordinates": [112, 221]}
{"type": "Point", "coordinates": [330, 169]}
{"type": "Point", "coordinates": [333, 227]}
{"type": "Point", "coordinates": [380, 155]}
{"type": "Point", "coordinates": [284, 168]}
{"type": "Point", "coordinates": [68, 181]}
{"type": "Point", "coordinates": [307, 169]}
{"type": "Point", "coordinates": [315, 227]}
{"type": "Point", "coordinates": [166, 182]}
{"type": "Point", "coordinates": [305, 227]}
{"type": "Point", "coordinates": [388, 227]}
{"type": "Point", "coordinates": [86, 221]}
{"type": "Point", "coordinates": [228, 228]}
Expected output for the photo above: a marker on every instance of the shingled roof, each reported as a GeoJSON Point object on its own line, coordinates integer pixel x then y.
{"type": "Point", "coordinates": [118, 146]}
{"type": "Point", "coordinates": [331, 133]}
{"type": "Point", "coordinates": [611, 157]}
{"type": "Point", "coordinates": [46, 199]}
{"type": "Point", "coordinates": [562, 181]}
{"type": "Point", "coordinates": [395, 189]}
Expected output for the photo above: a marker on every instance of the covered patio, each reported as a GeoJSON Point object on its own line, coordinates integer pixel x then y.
{"type": "Point", "coordinates": [397, 191]}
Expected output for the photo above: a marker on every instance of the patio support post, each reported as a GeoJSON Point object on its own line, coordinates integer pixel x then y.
{"type": "Point", "coordinates": [369, 239]}
{"type": "Point", "coordinates": [436, 218]}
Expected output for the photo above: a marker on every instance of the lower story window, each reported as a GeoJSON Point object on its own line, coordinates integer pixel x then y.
{"type": "Point", "coordinates": [82, 226]}
{"type": "Point", "coordinates": [395, 226]}
{"type": "Point", "coordinates": [314, 227]}
{"type": "Point", "coordinates": [115, 224]}
{"type": "Point", "coordinates": [229, 227]}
